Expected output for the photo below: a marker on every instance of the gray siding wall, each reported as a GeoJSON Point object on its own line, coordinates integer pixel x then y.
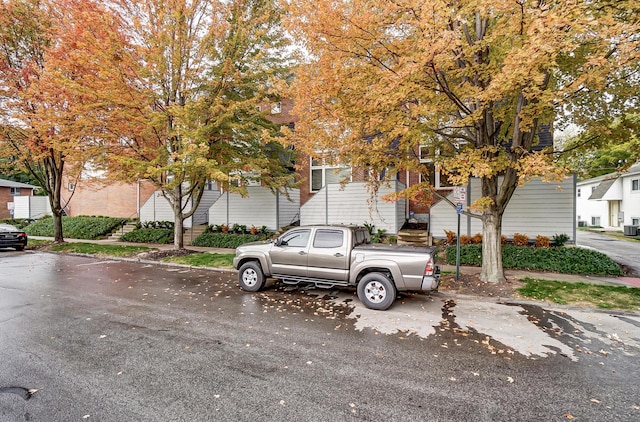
{"type": "Point", "coordinates": [157, 208]}
{"type": "Point", "coordinates": [31, 206]}
{"type": "Point", "coordinates": [289, 208]}
{"type": "Point", "coordinates": [209, 197]}
{"type": "Point", "coordinates": [259, 208]}
{"type": "Point", "coordinates": [352, 204]}
{"type": "Point", "coordinates": [537, 208]}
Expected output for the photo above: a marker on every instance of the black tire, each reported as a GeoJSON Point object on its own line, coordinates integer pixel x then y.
{"type": "Point", "coordinates": [250, 277]}
{"type": "Point", "coordinates": [376, 291]}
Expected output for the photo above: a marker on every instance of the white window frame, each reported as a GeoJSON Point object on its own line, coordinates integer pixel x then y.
{"type": "Point", "coordinates": [635, 188]}
{"type": "Point", "coordinates": [635, 221]}
{"type": "Point", "coordinates": [323, 167]}
{"type": "Point", "coordinates": [15, 191]}
{"type": "Point", "coordinates": [596, 221]}
{"type": "Point", "coordinates": [426, 159]}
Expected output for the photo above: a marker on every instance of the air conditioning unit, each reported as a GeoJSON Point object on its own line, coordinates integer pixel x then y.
{"type": "Point", "coordinates": [631, 230]}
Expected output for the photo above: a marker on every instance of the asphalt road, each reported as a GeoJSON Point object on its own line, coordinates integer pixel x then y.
{"type": "Point", "coordinates": [111, 341]}
{"type": "Point", "coordinates": [625, 252]}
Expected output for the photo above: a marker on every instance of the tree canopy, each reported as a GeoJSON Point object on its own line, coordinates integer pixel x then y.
{"type": "Point", "coordinates": [475, 78]}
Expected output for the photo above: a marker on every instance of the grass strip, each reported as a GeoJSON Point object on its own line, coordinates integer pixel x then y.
{"type": "Point", "coordinates": [203, 259]}
{"type": "Point", "coordinates": [603, 296]}
{"type": "Point", "coordinates": [97, 249]}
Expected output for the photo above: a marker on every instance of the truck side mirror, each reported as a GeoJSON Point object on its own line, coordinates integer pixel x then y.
{"type": "Point", "coordinates": [278, 242]}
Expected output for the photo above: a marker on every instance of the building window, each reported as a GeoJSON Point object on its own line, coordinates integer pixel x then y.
{"type": "Point", "coordinates": [276, 108]}
{"type": "Point", "coordinates": [595, 221]}
{"type": "Point", "coordinates": [635, 185]}
{"type": "Point", "coordinates": [323, 173]}
{"type": "Point", "coordinates": [15, 191]}
{"type": "Point", "coordinates": [435, 177]}
{"type": "Point", "coordinates": [635, 221]}
{"type": "Point", "coordinates": [578, 192]}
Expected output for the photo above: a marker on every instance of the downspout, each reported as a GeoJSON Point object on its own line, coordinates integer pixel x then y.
{"type": "Point", "coordinates": [326, 204]}
{"type": "Point", "coordinates": [277, 210]}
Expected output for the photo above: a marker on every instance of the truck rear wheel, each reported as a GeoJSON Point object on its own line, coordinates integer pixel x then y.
{"type": "Point", "coordinates": [250, 277]}
{"type": "Point", "coordinates": [376, 291]}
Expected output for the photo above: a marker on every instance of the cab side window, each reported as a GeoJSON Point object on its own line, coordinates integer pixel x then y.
{"type": "Point", "coordinates": [328, 239]}
{"type": "Point", "coordinates": [297, 238]}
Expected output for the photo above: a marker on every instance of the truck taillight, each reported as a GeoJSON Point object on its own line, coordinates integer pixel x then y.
{"type": "Point", "coordinates": [428, 270]}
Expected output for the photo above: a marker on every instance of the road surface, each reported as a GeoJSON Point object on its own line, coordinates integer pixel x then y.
{"type": "Point", "coordinates": [85, 339]}
{"type": "Point", "coordinates": [622, 251]}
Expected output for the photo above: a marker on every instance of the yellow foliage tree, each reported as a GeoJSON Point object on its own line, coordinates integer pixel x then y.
{"type": "Point", "coordinates": [475, 78]}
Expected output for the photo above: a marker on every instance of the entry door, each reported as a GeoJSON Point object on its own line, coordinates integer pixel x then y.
{"type": "Point", "coordinates": [328, 255]}
{"type": "Point", "coordinates": [614, 210]}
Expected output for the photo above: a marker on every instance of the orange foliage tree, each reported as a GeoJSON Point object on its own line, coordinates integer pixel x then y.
{"type": "Point", "coordinates": [44, 124]}
{"type": "Point", "coordinates": [473, 78]}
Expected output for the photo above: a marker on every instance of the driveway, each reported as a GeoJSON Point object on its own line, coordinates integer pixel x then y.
{"type": "Point", "coordinates": [625, 252]}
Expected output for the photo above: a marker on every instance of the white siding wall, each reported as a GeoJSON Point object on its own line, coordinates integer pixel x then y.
{"type": "Point", "coordinates": [31, 206]}
{"type": "Point", "coordinates": [587, 209]}
{"type": "Point", "coordinates": [630, 204]}
{"type": "Point", "coordinates": [258, 208]}
{"type": "Point", "coordinates": [352, 204]}
{"type": "Point", "coordinates": [537, 208]}
{"type": "Point", "coordinates": [157, 208]}
{"type": "Point", "coordinates": [209, 197]}
{"type": "Point", "coordinates": [289, 208]}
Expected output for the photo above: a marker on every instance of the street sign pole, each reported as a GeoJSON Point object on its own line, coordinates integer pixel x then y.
{"type": "Point", "coordinates": [459, 212]}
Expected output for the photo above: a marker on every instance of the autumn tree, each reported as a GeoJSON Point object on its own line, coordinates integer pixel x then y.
{"type": "Point", "coordinates": [182, 82]}
{"type": "Point", "coordinates": [474, 78]}
{"type": "Point", "coordinates": [42, 129]}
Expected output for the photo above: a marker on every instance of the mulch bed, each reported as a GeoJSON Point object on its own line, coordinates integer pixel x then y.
{"type": "Point", "coordinates": [470, 284]}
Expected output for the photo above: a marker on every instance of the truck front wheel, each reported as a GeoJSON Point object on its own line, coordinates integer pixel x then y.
{"type": "Point", "coordinates": [376, 291]}
{"type": "Point", "coordinates": [250, 277]}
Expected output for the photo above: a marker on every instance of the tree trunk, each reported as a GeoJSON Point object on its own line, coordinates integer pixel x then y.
{"type": "Point", "coordinates": [492, 271]}
{"type": "Point", "coordinates": [178, 236]}
{"type": "Point", "coordinates": [57, 226]}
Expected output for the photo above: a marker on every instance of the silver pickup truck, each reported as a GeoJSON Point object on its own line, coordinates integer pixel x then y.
{"type": "Point", "coordinates": [338, 256]}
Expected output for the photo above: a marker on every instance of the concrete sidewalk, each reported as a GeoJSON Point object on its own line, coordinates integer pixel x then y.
{"type": "Point", "coordinates": [519, 274]}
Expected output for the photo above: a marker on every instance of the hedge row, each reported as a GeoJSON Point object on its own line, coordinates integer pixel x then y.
{"type": "Point", "coordinates": [81, 227]}
{"type": "Point", "coordinates": [223, 240]}
{"type": "Point", "coordinates": [562, 260]}
{"type": "Point", "coordinates": [149, 235]}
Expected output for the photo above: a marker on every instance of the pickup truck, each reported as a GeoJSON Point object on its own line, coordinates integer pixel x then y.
{"type": "Point", "coordinates": [338, 256]}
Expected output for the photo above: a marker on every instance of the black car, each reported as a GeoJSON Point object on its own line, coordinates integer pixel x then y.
{"type": "Point", "coordinates": [11, 237]}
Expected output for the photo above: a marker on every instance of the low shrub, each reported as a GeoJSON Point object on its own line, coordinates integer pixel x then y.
{"type": "Point", "coordinates": [542, 241]}
{"type": "Point", "coordinates": [465, 240]}
{"type": "Point", "coordinates": [561, 260]}
{"type": "Point", "coordinates": [476, 238]}
{"type": "Point", "coordinates": [157, 225]}
{"type": "Point", "coordinates": [149, 235]}
{"type": "Point", "coordinates": [223, 240]}
{"type": "Point", "coordinates": [560, 239]}
{"type": "Point", "coordinates": [81, 227]}
{"type": "Point", "coordinates": [451, 236]}
{"type": "Point", "coordinates": [520, 239]}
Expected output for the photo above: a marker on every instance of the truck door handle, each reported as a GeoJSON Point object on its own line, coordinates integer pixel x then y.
{"type": "Point", "coordinates": [338, 255]}
{"type": "Point", "coordinates": [302, 253]}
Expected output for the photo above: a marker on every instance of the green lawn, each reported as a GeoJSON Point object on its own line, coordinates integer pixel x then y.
{"type": "Point", "coordinates": [97, 249]}
{"type": "Point", "coordinates": [204, 260]}
{"type": "Point", "coordinates": [603, 296]}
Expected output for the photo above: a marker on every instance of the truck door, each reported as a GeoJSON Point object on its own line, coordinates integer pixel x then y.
{"type": "Point", "coordinates": [329, 254]}
{"type": "Point", "coordinates": [290, 254]}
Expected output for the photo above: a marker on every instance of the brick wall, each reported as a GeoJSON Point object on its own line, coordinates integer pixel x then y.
{"type": "Point", "coordinates": [6, 197]}
{"type": "Point", "coordinates": [110, 200]}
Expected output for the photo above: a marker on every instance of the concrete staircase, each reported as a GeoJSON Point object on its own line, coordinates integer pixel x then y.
{"type": "Point", "coordinates": [414, 237]}
{"type": "Point", "coordinates": [193, 232]}
{"type": "Point", "coordinates": [121, 231]}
